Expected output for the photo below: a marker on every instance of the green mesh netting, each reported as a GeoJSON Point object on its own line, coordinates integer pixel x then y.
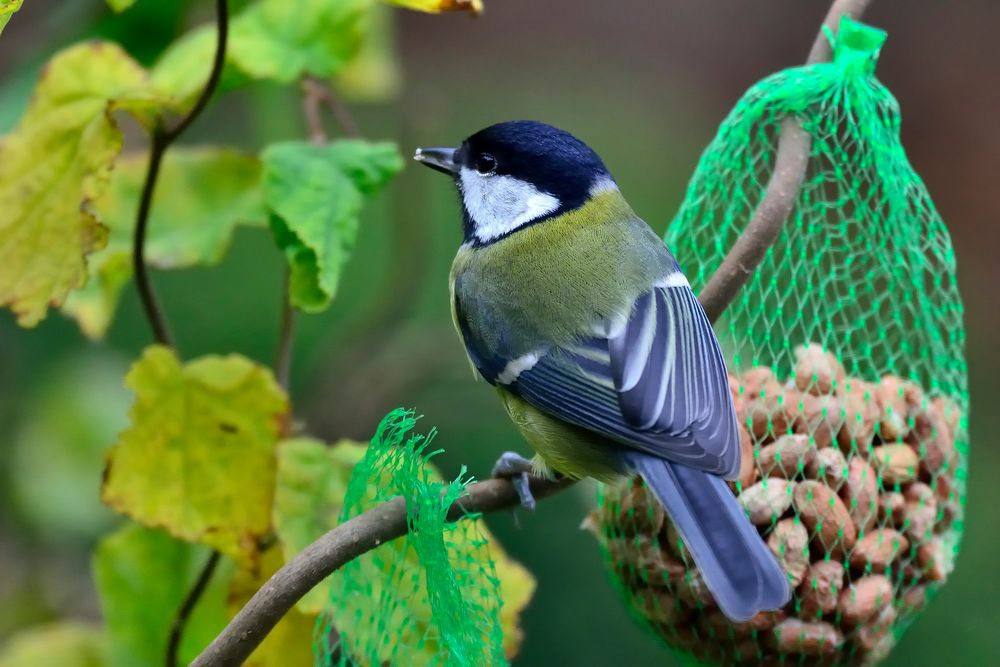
{"type": "Point", "coordinates": [846, 358]}
{"type": "Point", "coordinates": [430, 598]}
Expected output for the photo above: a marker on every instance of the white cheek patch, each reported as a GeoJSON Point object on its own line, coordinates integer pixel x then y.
{"type": "Point", "coordinates": [500, 204]}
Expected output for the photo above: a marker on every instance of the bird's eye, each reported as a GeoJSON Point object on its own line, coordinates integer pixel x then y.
{"type": "Point", "coordinates": [486, 164]}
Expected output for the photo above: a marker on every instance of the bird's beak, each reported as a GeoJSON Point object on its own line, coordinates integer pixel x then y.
{"type": "Point", "coordinates": [441, 159]}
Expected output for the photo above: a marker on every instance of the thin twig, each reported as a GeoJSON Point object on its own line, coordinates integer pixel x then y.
{"type": "Point", "coordinates": [320, 91]}
{"type": "Point", "coordinates": [190, 601]}
{"type": "Point", "coordinates": [388, 520]}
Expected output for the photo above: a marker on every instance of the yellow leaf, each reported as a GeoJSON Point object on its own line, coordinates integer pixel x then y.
{"type": "Point", "coordinates": [436, 6]}
{"type": "Point", "coordinates": [198, 457]}
{"type": "Point", "coordinates": [7, 8]}
{"type": "Point", "coordinates": [290, 642]}
{"type": "Point", "coordinates": [53, 165]}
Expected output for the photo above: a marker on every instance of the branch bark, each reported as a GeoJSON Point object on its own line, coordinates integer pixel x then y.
{"type": "Point", "coordinates": [388, 520]}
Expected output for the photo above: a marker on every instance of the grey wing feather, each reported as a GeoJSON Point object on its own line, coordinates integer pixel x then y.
{"type": "Point", "coordinates": [670, 374]}
{"type": "Point", "coordinates": [657, 385]}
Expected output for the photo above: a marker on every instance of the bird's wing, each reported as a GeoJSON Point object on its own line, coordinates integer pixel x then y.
{"type": "Point", "coordinates": [656, 382]}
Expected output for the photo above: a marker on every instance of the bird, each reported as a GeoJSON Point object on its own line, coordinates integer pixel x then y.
{"type": "Point", "coordinates": [578, 314]}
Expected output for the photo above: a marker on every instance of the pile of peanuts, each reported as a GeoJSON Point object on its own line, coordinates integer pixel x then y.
{"type": "Point", "coordinates": [855, 487]}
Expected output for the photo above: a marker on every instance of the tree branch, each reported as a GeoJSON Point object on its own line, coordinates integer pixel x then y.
{"type": "Point", "coordinates": [388, 520]}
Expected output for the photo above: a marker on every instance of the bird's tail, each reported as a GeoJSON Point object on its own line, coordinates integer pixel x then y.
{"type": "Point", "coordinates": [738, 567]}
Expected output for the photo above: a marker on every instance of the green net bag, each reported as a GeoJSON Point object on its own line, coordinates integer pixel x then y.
{"type": "Point", "coordinates": [845, 351]}
{"type": "Point", "coordinates": [432, 597]}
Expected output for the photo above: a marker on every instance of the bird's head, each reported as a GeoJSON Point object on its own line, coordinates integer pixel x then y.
{"type": "Point", "coordinates": [518, 173]}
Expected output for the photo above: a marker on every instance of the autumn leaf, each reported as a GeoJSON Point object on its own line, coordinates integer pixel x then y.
{"type": "Point", "coordinates": [290, 641]}
{"type": "Point", "coordinates": [315, 195]}
{"type": "Point", "coordinates": [437, 6]}
{"type": "Point", "coordinates": [7, 9]}
{"type": "Point", "coordinates": [198, 456]}
{"type": "Point", "coordinates": [142, 575]}
{"type": "Point", "coordinates": [52, 167]}
{"type": "Point", "coordinates": [202, 195]}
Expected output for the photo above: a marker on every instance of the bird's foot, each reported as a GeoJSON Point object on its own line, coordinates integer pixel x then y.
{"type": "Point", "coordinates": [517, 469]}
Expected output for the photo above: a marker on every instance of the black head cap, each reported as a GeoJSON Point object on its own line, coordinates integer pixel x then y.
{"type": "Point", "coordinates": [552, 160]}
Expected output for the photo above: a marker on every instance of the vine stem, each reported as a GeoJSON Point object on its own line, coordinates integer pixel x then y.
{"type": "Point", "coordinates": [190, 602]}
{"type": "Point", "coordinates": [387, 521]}
{"type": "Point", "coordinates": [161, 140]}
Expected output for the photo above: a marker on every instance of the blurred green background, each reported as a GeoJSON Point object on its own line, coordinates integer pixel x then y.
{"type": "Point", "coordinates": [645, 84]}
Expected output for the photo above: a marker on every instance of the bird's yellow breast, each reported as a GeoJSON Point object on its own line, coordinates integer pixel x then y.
{"type": "Point", "coordinates": [561, 447]}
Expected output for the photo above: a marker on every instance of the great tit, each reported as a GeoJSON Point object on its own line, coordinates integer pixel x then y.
{"type": "Point", "coordinates": [579, 315]}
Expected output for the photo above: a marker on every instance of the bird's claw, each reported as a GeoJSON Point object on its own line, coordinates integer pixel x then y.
{"type": "Point", "coordinates": [517, 469]}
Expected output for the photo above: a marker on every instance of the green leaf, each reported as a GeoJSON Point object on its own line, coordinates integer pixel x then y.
{"type": "Point", "coordinates": [202, 194]}
{"type": "Point", "coordinates": [315, 195]}
{"type": "Point", "coordinates": [118, 6]}
{"type": "Point", "coordinates": [7, 9]}
{"type": "Point", "coordinates": [283, 41]}
{"type": "Point", "coordinates": [309, 497]}
{"type": "Point", "coordinates": [198, 457]}
{"type": "Point", "coordinates": [142, 577]}
{"type": "Point", "coordinates": [289, 643]}
{"type": "Point", "coordinates": [54, 164]}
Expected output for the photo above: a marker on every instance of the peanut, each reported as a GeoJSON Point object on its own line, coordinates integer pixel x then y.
{"type": "Point", "coordinates": [826, 517]}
